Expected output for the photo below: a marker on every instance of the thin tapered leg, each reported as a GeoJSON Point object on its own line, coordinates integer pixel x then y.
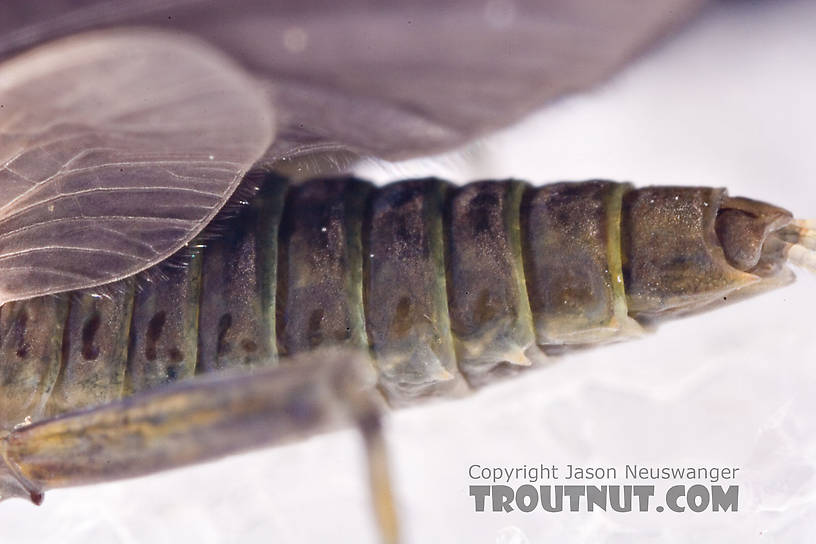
{"type": "Point", "coordinates": [201, 419]}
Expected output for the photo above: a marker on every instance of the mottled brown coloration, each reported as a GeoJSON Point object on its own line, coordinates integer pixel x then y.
{"type": "Point", "coordinates": [164, 334]}
{"type": "Point", "coordinates": [237, 319]}
{"type": "Point", "coordinates": [672, 258]}
{"type": "Point", "coordinates": [404, 287]}
{"type": "Point", "coordinates": [320, 288]}
{"type": "Point", "coordinates": [439, 282]}
{"type": "Point", "coordinates": [489, 307]}
{"type": "Point", "coordinates": [31, 339]}
{"type": "Point", "coordinates": [432, 280]}
{"type": "Point", "coordinates": [572, 261]}
{"type": "Point", "coordinates": [94, 350]}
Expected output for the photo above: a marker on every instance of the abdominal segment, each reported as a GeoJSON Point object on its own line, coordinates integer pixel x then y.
{"type": "Point", "coordinates": [444, 286]}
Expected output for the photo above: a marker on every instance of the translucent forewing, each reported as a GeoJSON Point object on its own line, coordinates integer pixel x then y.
{"type": "Point", "coordinates": [116, 148]}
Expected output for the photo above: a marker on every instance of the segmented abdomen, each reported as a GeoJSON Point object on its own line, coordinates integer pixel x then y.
{"type": "Point", "coordinates": [443, 284]}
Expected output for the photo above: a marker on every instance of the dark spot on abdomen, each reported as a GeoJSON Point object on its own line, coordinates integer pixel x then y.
{"type": "Point", "coordinates": [175, 354]}
{"type": "Point", "coordinates": [90, 351]}
{"type": "Point", "coordinates": [154, 331]}
{"type": "Point", "coordinates": [19, 333]}
{"type": "Point", "coordinates": [402, 322]}
{"type": "Point", "coordinates": [224, 325]}
{"type": "Point", "coordinates": [315, 327]}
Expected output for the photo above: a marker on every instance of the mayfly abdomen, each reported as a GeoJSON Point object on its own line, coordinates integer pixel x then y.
{"type": "Point", "coordinates": [237, 311]}
{"type": "Point", "coordinates": [441, 284]}
{"type": "Point", "coordinates": [94, 350]}
{"type": "Point", "coordinates": [405, 292]}
{"type": "Point", "coordinates": [573, 262]}
{"type": "Point", "coordinates": [30, 356]}
{"type": "Point", "coordinates": [489, 303]}
{"type": "Point", "coordinates": [163, 343]}
{"type": "Point", "coordinates": [320, 286]}
{"type": "Point", "coordinates": [678, 258]}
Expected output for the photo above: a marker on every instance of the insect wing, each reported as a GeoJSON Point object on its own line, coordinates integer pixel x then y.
{"type": "Point", "coordinates": [388, 78]}
{"type": "Point", "coordinates": [407, 79]}
{"type": "Point", "coordinates": [116, 148]}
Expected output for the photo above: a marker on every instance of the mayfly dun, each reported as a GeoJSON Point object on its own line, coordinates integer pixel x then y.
{"type": "Point", "coordinates": [444, 287]}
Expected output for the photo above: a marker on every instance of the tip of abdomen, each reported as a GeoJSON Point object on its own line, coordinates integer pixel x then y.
{"type": "Point", "coordinates": [799, 243]}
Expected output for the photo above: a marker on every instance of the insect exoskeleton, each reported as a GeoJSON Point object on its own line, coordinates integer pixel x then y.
{"type": "Point", "coordinates": [443, 286]}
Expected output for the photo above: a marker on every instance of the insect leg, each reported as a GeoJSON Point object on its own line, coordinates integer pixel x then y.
{"type": "Point", "coordinates": [200, 419]}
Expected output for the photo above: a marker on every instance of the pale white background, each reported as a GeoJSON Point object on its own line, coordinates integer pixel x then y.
{"type": "Point", "coordinates": [730, 102]}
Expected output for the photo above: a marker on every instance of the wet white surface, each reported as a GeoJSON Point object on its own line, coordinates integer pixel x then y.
{"type": "Point", "coordinates": [729, 102]}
